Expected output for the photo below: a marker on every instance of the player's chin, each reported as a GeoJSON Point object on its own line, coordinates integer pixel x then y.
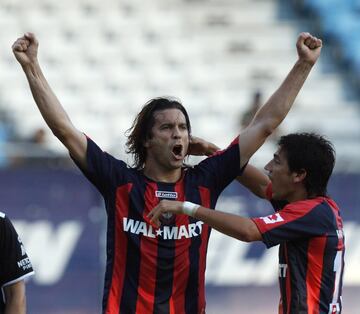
{"type": "Point", "coordinates": [177, 163]}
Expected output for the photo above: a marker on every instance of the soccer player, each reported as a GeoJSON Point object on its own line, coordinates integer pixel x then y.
{"type": "Point", "coordinates": [15, 266]}
{"type": "Point", "coordinates": [308, 225]}
{"type": "Point", "coordinates": [160, 270]}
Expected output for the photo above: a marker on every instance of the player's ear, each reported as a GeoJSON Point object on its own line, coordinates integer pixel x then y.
{"type": "Point", "coordinates": [299, 176]}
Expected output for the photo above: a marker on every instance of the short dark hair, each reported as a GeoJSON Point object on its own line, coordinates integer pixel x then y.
{"type": "Point", "coordinates": [314, 154]}
{"type": "Point", "coordinates": [140, 130]}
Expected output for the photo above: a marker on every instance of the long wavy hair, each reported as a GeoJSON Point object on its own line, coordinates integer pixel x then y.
{"type": "Point", "coordinates": [140, 130]}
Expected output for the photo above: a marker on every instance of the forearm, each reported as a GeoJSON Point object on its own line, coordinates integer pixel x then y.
{"type": "Point", "coordinates": [47, 102]}
{"type": "Point", "coordinates": [279, 104]}
{"type": "Point", "coordinates": [241, 228]}
{"type": "Point", "coordinates": [16, 307]}
{"type": "Point", "coordinates": [15, 298]}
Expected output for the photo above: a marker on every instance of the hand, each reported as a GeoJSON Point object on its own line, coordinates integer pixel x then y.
{"type": "Point", "coordinates": [164, 206]}
{"type": "Point", "coordinates": [25, 49]}
{"type": "Point", "coordinates": [200, 147]}
{"type": "Point", "coordinates": [308, 48]}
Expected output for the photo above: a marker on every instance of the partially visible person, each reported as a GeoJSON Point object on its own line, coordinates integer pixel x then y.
{"type": "Point", "coordinates": [307, 223]}
{"type": "Point", "coordinates": [249, 113]}
{"type": "Point", "coordinates": [15, 266]}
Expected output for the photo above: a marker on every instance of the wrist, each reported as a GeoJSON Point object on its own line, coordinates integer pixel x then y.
{"type": "Point", "coordinates": [189, 208]}
{"type": "Point", "coordinates": [305, 63]}
{"type": "Point", "coordinates": [31, 67]}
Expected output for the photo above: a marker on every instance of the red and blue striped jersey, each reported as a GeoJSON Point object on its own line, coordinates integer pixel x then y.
{"type": "Point", "coordinates": [311, 254]}
{"type": "Point", "coordinates": [151, 270]}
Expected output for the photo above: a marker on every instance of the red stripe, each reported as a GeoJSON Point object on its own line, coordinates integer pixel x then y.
{"type": "Point", "coordinates": [181, 262]}
{"type": "Point", "coordinates": [315, 258]}
{"type": "Point", "coordinates": [148, 258]}
{"type": "Point", "coordinates": [120, 250]}
{"type": "Point", "coordinates": [205, 201]}
{"type": "Point", "coordinates": [288, 281]}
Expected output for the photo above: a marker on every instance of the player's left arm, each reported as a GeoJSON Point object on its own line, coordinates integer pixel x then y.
{"type": "Point", "coordinates": [241, 228]}
{"type": "Point", "coordinates": [15, 298]}
{"type": "Point", "coordinates": [270, 115]}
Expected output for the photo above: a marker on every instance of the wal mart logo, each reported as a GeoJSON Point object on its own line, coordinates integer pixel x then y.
{"type": "Point", "coordinates": [166, 194]}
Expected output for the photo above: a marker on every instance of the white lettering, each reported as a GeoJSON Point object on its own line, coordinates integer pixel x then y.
{"type": "Point", "coordinates": [340, 233]}
{"type": "Point", "coordinates": [142, 228]}
{"type": "Point", "coordinates": [130, 224]}
{"type": "Point", "coordinates": [199, 225]}
{"type": "Point", "coordinates": [150, 232]}
{"type": "Point", "coordinates": [183, 232]}
{"type": "Point", "coordinates": [192, 232]}
{"type": "Point", "coordinates": [166, 194]}
{"type": "Point", "coordinates": [170, 232]}
{"type": "Point", "coordinates": [166, 232]}
{"type": "Point", "coordinates": [282, 270]}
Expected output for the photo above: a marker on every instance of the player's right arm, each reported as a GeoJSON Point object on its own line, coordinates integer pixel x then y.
{"type": "Point", "coordinates": [25, 50]}
{"type": "Point", "coordinates": [15, 298]}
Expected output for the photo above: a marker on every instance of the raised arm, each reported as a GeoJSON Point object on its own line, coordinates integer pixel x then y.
{"type": "Point", "coordinates": [25, 50]}
{"type": "Point", "coordinates": [241, 228]}
{"type": "Point", "coordinates": [15, 298]}
{"type": "Point", "coordinates": [270, 115]}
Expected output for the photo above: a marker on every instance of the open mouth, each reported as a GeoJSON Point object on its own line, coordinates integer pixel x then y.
{"type": "Point", "coordinates": [177, 150]}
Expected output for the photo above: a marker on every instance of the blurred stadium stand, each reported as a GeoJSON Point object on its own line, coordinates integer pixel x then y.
{"type": "Point", "coordinates": [105, 59]}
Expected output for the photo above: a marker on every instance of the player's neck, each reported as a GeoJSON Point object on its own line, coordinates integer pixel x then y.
{"type": "Point", "coordinates": [298, 195]}
{"type": "Point", "coordinates": [160, 174]}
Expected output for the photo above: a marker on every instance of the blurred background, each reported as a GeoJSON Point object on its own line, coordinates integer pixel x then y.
{"type": "Point", "coordinates": [221, 59]}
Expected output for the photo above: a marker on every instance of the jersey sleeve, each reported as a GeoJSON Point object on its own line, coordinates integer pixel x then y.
{"type": "Point", "coordinates": [221, 168]}
{"type": "Point", "coordinates": [103, 170]}
{"type": "Point", "coordinates": [295, 221]}
{"type": "Point", "coordinates": [15, 264]}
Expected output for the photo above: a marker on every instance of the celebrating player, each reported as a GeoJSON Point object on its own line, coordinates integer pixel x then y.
{"type": "Point", "coordinates": [15, 266]}
{"type": "Point", "coordinates": [307, 226]}
{"type": "Point", "coordinates": [160, 270]}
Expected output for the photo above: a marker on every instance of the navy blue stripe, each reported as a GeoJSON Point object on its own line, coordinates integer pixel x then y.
{"type": "Point", "coordinates": [165, 265]}
{"type": "Point", "coordinates": [192, 289]}
{"type": "Point", "coordinates": [297, 266]}
{"type": "Point", "coordinates": [282, 280]}
{"type": "Point", "coordinates": [132, 272]}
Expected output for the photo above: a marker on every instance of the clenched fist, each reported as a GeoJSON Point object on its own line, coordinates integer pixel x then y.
{"type": "Point", "coordinates": [25, 49]}
{"type": "Point", "coordinates": [308, 47]}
